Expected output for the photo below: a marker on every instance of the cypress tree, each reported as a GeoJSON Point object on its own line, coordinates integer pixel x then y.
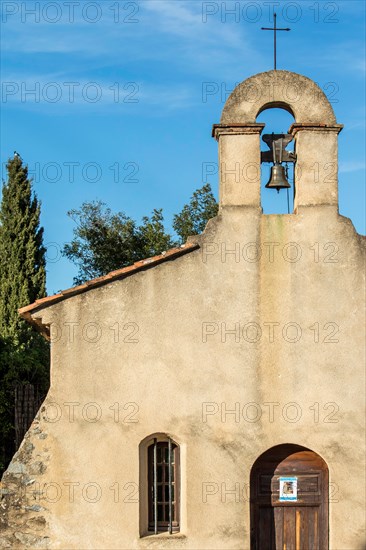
{"type": "Point", "coordinates": [24, 356]}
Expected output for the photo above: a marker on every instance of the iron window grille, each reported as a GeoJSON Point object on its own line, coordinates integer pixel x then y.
{"type": "Point", "coordinates": [163, 483]}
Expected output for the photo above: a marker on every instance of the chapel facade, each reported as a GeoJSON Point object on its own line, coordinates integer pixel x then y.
{"type": "Point", "coordinates": [212, 396]}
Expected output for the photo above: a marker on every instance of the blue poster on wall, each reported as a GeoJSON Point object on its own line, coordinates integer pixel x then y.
{"type": "Point", "coordinates": [288, 489]}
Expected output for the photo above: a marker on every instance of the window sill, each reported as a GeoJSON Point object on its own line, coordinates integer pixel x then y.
{"type": "Point", "coordinates": [151, 536]}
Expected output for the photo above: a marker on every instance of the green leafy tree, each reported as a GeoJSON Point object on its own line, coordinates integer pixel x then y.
{"type": "Point", "coordinates": [152, 236]}
{"type": "Point", "coordinates": [193, 218]}
{"type": "Point", "coordinates": [104, 241]}
{"type": "Point", "coordinates": [24, 356]}
{"type": "Point", "coordinates": [6, 405]}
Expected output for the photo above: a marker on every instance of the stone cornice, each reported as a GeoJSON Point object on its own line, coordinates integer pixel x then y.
{"type": "Point", "coordinates": [311, 127]}
{"type": "Point", "coordinates": [236, 129]}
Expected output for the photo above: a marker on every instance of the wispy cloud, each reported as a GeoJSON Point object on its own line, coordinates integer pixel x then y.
{"type": "Point", "coordinates": [351, 166]}
{"type": "Point", "coordinates": [187, 22]}
{"type": "Point", "coordinates": [347, 55]}
{"type": "Point", "coordinates": [158, 28]}
{"type": "Point", "coordinates": [206, 43]}
{"type": "Point", "coordinates": [58, 93]}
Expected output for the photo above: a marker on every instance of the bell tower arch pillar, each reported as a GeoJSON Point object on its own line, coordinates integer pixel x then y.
{"type": "Point", "coordinates": [239, 162]}
{"type": "Point", "coordinates": [316, 169]}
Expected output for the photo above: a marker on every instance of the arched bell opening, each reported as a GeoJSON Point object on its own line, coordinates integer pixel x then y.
{"type": "Point", "coordinates": [289, 499]}
{"type": "Point", "coordinates": [277, 159]}
{"type": "Point", "coordinates": [276, 105]}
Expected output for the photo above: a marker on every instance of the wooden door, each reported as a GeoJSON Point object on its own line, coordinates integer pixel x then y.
{"type": "Point", "coordinates": [297, 520]}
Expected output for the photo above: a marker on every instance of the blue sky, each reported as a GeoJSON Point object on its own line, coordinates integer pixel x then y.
{"type": "Point", "coordinates": [115, 100]}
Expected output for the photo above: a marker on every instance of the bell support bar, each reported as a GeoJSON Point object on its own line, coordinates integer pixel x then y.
{"type": "Point", "coordinates": [277, 144]}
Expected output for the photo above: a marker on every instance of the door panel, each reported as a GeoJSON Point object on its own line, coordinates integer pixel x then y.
{"type": "Point", "coordinates": [289, 525]}
{"type": "Point", "coordinates": [278, 518]}
{"type": "Point", "coordinates": [289, 528]}
{"type": "Point", "coordinates": [289, 533]}
{"type": "Point", "coordinates": [266, 535]}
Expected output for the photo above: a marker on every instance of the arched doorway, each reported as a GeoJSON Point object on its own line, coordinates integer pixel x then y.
{"type": "Point", "coordinates": [289, 500]}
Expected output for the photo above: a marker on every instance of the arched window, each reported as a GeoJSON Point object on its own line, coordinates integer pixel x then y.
{"type": "Point", "coordinates": [159, 485]}
{"type": "Point", "coordinates": [163, 486]}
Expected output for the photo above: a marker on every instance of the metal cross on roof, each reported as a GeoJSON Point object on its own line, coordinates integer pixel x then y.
{"type": "Point", "coordinates": [275, 29]}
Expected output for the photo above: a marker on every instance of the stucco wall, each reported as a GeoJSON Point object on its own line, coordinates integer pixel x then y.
{"type": "Point", "coordinates": [251, 341]}
{"type": "Point", "coordinates": [183, 364]}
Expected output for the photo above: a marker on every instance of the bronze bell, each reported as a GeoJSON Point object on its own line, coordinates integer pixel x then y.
{"type": "Point", "coordinates": [278, 178]}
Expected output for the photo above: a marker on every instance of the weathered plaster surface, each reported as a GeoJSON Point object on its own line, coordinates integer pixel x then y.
{"type": "Point", "coordinates": [292, 91]}
{"type": "Point", "coordinates": [264, 316]}
{"type": "Point", "coordinates": [171, 371]}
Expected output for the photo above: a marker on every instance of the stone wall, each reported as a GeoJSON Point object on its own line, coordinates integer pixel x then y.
{"type": "Point", "coordinates": [22, 509]}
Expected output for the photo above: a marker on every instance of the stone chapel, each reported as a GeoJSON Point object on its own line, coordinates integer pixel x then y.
{"type": "Point", "coordinates": [211, 397]}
